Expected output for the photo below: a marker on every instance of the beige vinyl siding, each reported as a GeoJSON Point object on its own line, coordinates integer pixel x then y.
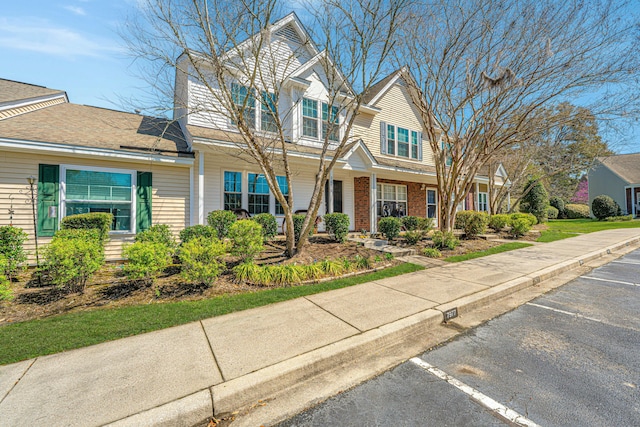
{"type": "Point", "coordinates": [170, 192]}
{"type": "Point", "coordinates": [396, 109]}
{"type": "Point", "coordinates": [216, 162]}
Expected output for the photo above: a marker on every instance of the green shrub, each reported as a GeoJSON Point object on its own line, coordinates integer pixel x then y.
{"type": "Point", "coordinates": [389, 227]}
{"type": "Point", "coordinates": [314, 271]}
{"type": "Point", "coordinates": [159, 233]}
{"type": "Point", "coordinates": [445, 240]}
{"type": "Point", "coordinates": [246, 239]}
{"type": "Point", "coordinates": [337, 225]}
{"type": "Point", "coordinates": [11, 248]}
{"type": "Point", "coordinates": [475, 223]}
{"type": "Point", "coordinates": [413, 237]}
{"type": "Point", "coordinates": [331, 267]}
{"type": "Point", "coordinates": [248, 272]}
{"type": "Point", "coordinates": [425, 224]}
{"type": "Point", "coordinates": [604, 206]}
{"type": "Point", "coordinates": [146, 260]}
{"type": "Point", "coordinates": [287, 275]}
{"type": "Point", "coordinates": [536, 200]}
{"type": "Point", "coordinates": [389, 256]}
{"type": "Point", "coordinates": [410, 223]}
{"type": "Point", "coordinates": [461, 219]}
{"type": "Point", "coordinates": [559, 204]}
{"type": "Point", "coordinates": [530, 218]}
{"type": "Point", "coordinates": [347, 265]}
{"type": "Point", "coordinates": [498, 222]}
{"type": "Point", "coordinates": [95, 220]}
{"type": "Point", "coordinates": [362, 263]}
{"type": "Point", "coordinates": [72, 257]}
{"type": "Point", "coordinates": [619, 218]}
{"type": "Point", "coordinates": [201, 260]}
{"type": "Point", "coordinates": [431, 253]}
{"type": "Point", "coordinates": [6, 293]}
{"type": "Point", "coordinates": [552, 213]}
{"type": "Point", "coordinates": [221, 221]}
{"type": "Point", "coordinates": [519, 227]}
{"type": "Point", "coordinates": [269, 225]}
{"type": "Point", "coordinates": [298, 221]}
{"type": "Point", "coordinates": [575, 211]}
{"type": "Point", "coordinates": [195, 231]}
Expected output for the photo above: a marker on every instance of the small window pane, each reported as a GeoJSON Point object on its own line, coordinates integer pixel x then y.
{"type": "Point", "coordinates": [310, 127]}
{"type": "Point", "coordinates": [284, 187]}
{"type": "Point", "coordinates": [389, 192]}
{"type": "Point", "coordinates": [258, 194]}
{"type": "Point", "coordinates": [268, 109]}
{"type": "Point", "coordinates": [309, 108]}
{"type": "Point", "coordinates": [414, 144]}
{"type": "Point", "coordinates": [232, 182]}
{"type": "Point", "coordinates": [391, 139]}
{"type": "Point", "coordinates": [402, 192]}
{"type": "Point", "coordinates": [431, 196]}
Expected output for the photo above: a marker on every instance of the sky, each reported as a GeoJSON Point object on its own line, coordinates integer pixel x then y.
{"type": "Point", "coordinates": [74, 45]}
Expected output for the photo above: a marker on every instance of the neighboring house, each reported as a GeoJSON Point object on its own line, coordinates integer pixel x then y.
{"type": "Point", "coordinates": [88, 159]}
{"type": "Point", "coordinates": [617, 177]}
{"type": "Point", "coordinates": [388, 168]}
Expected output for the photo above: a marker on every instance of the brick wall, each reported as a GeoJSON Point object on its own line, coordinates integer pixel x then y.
{"type": "Point", "coordinates": [416, 198]}
{"type": "Point", "coordinates": [361, 201]}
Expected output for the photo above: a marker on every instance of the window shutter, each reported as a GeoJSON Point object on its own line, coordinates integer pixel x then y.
{"type": "Point", "coordinates": [48, 196]}
{"type": "Point", "coordinates": [420, 146]}
{"type": "Point", "coordinates": [143, 201]}
{"type": "Point", "coordinates": [383, 137]}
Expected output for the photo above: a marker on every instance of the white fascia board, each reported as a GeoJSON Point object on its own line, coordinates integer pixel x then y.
{"type": "Point", "coordinates": [360, 145]}
{"type": "Point", "coordinates": [29, 101]}
{"type": "Point", "coordinates": [385, 88]}
{"type": "Point", "coordinates": [403, 170]}
{"type": "Point", "coordinates": [81, 151]}
{"type": "Point", "coordinates": [369, 109]}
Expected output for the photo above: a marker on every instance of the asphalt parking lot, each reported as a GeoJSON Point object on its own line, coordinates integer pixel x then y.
{"type": "Point", "coordinates": [568, 358]}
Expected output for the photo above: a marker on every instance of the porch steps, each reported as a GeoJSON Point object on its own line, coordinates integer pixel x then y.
{"type": "Point", "coordinates": [382, 246]}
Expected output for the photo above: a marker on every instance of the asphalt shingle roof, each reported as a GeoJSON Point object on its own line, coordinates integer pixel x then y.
{"type": "Point", "coordinates": [11, 91]}
{"type": "Point", "coordinates": [627, 166]}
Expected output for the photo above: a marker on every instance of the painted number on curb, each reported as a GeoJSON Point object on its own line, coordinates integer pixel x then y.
{"type": "Point", "coordinates": [450, 314]}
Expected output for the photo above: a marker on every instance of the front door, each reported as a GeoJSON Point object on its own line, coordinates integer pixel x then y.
{"type": "Point", "coordinates": [337, 196]}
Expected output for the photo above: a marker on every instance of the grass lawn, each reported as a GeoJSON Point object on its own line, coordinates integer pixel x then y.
{"type": "Point", "coordinates": [491, 251]}
{"type": "Point", "coordinates": [564, 228]}
{"type": "Point", "coordinates": [26, 340]}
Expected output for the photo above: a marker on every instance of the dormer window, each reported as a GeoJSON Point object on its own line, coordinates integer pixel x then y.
{"type": "Point", "coordinates": [311, 120]}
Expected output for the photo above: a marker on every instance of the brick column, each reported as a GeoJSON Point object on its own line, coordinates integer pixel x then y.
{"type": "Point", "coordinates": [362, 201]}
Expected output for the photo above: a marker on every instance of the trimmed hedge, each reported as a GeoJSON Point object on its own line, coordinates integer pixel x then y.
{"type": "Point", "coordinates": [96, 220]}
{"type": "Point", "coordinates": [389, 227]}
{"type": "Point", "coordinates": [337, 225]}
{"type": "Point", "coordinates": [197, 231]}
{"type": "Point", "coordinates": [559, 204]}
{"type": "Point", "coordinates": [604, 206]}
{"type": "Point", "coordinates": [575, 211]}
{"type": "Point", "coordinates": [552, 213]}
{"type": "Point", "coordinates": [498, 222]}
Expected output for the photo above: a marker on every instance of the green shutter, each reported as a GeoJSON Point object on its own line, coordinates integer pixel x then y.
{"type": "Point", "coordinates": [143, 201]}
{"type": "Point", "coordinates": [48, 191]}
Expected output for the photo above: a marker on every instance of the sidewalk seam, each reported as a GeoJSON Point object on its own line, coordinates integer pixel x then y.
{"type": "Point", "coordinates": [405, 293]}
{"type": "Point", "coordinates": [18, 380]}
{"type": "Point", "coordinates": [342, 320]}
{"type": "Point", "coordinates": [215, 360]}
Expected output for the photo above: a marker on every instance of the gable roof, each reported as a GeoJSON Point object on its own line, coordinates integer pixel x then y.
{"type": "Point", "coordinates": [12, 91]}
{"type": "Point", "coordinates": [380, 87]}
{"type": "Point", "coordinates": [626, 166]}
{"type": "Point", "coordinates": [81, 125]}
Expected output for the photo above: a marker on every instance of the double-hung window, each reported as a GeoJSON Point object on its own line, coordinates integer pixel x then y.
{"type": "Point", "coordinates": [432, 204]}
{"type": "Point", "coordinates": [268, 112]}
{"type": "Point", "coordinates": [391, 139]}
{"type": "Point", "coordinates": [401, 142]}
{"type": "Point", "coordinates": [245, 102]}
{"type": "Point", "coordinates": [232, 190]}
{"type": "Point", "coordinates": [482, 202]}
{"type": "Point", "coordinates": [415, 144]}
{"type": "Point", "coordinates": [330, 122]}
{"type": "Point", "coordinates": [95, 190]}
{"type": "Point", "coordinates": [392, 200]}
{"type": "Point", "coordinates": [258, 194]}
{"type": "Point", "coordinates": [284, 188]}
{"type": "Point", "coordinates": [310, 118]}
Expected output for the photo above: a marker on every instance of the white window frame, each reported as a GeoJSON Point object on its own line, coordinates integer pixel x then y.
{"type": "Point", "coordinates": [244, 197]}
{"type": "Point", "coordinates": [396, 143]}
{"type": "Point", "coordinates": [62, 203]}
{"type": "Point", "coordinates": [435, 190]}
{"type": "Point", "coordinates": [485, 203]}
{"type": "Point", "coordinates": [319, 121]}
{"type": "Point", "coordinates": [382, 199]}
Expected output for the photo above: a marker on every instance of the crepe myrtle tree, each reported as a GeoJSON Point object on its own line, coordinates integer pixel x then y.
{"type": "Point", "coordinates": [230, 48]}
{"type": "Point", "coordinates": [483, 69]}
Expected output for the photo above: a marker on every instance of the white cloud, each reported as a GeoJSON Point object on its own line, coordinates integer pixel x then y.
{"type": "Point", "coordinates": [39, 35]}
{"type": "Point", "coordinates": [77, 10]}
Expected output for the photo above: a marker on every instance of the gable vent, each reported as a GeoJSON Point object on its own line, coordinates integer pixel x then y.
{"type": "Point", "coordinates": [289, 33]}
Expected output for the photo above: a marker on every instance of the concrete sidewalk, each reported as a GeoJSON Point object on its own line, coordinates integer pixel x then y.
{"type": "Point", "coordinates": [179, 376]}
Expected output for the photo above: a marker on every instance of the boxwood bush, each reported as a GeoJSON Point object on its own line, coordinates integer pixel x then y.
{"type": "Point", "coordinates": [201, 259]}
{"type": "Point", "coordinates": [389, 227]}
{"type": "Point", "coordinates": [73, 256]}
{"type": "Point", "coordinates": [575, 211]}
{"type": "Point", "coordinates": [498, 222]}
{"type": "Point", "coordinates": [159, 233]}
{"type": "Point", "coordinates": [410, 223]}
{"type": "Point", "coordinates": [552, 212]}
{"type": "Point", "coordinates": [145, 260]}
{"type": "Point", "coordinates": [246, 239]}
{"type": "Point", "coordinates": [298, 221]}
{"type": "Point", "coordinates": [337, 225]}
{"type": "Point", "coordinates": [11, 249]}
{"type": "Point", "coordinates": [461, 219]}
{"type": "Point", "coordinates": [425, 224]}
{"type": "Point", "coordinates": [445, 240]}
{"type": "Point", "coordinates": [475, 224]}
{"type": "Point", "coordinates": [221, 221]}
{"type": "Point", "coordinates": [519, 227]}
{"type": "Point", "coordinates": [530, 218]}
{"type": "Point", "coordinates": [604, 206]}
{"type": "Point", "coordinates": [195, 231]}
{"type": "Point", "coordinates": [6, 293]}
{"type": "Point", "coordinates": [269, 225]}
{"type": "Point", "coordinates": [559, 204]}
{"type": "Point", "coordinates": [95, 220]}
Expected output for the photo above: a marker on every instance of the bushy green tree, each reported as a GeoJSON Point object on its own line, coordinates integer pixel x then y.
{"type": "Point", "coordinates": [559, 204]}
{"type": "Point", "coordinates": [536, 200]}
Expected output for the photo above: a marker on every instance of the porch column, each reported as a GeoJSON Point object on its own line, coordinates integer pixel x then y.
{"type": "Point", "coordinates": [192, 207]}
{"type": "Point", "coordinates": [633, 202]}
{"type": "Point", "coordinates": [508, 200]}
{"type": "Point", "coordinates": [330, 195]}
{"type": "Point", "coordinates": [200, 187]}
{"type": "Point", "coordinates": [373, 196]}
{"type": "Point", "coordinates": [477, 201]}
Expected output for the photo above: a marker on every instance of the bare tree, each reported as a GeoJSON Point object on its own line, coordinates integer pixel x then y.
{"type": "Point", "coordinates": [557, 155]}
{"type": "Point", "coordinates": [483, 68]}
{"type": "Point", "coordinates": [230, 48]}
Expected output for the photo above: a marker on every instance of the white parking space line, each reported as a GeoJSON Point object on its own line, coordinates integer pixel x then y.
{"type": "Point", "coordinates": [619, 282]}
{"type": "Point", "coordinates": [508, 414]}
{"type": "Point", "coordinates": [626, 262]}
{"type": "Point", "coordinates": [569, 313]}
